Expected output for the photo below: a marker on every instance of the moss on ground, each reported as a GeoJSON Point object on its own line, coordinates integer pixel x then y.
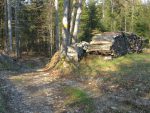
{"type": "Point", "coordinates": [78, 99]}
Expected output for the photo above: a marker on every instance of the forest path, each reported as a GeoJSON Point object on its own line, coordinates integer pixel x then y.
{"type": "Point", "coordinates": [41, 92]}
{"type": "Point", "coordinates": [36, 92]}
{"type": "Point", "coordinates": [30, 91]}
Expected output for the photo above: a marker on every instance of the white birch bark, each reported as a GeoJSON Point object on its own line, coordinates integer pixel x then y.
{"type": "Point", "coordinates": [65, 33]}
{"type": "Point", "coordinates": [73, 14]}
{"type": "Point", "coordinates": [16, 29]}
{"type": "Point", "coordinates": [57, 24]}
{"type": "Point", "coordinates": [103, 9]}
{"type": "Point", "coordinates": [9, 25]}
{"type": "Point", "coordinates": [77, 22]}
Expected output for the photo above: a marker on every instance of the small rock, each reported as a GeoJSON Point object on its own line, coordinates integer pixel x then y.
{"type": "Point", "coordinates": [108, 58]}
{"type": "Point", "coordinates": [114, 108]}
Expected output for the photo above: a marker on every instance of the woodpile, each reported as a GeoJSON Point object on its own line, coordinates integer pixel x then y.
{"type": "Point", "coordinates": [109, 44]}
{"type": "Point", "coordinates": [136, 43]}
{"type": "Point", "coordinates": [115, 43]}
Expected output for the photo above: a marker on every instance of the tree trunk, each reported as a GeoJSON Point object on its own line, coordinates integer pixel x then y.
{"type": "Point", "coordinates": [132, 17]}
{"type": "Point", "coordinates": [16, 30]}
{"type": "Point", "coordinates": [103, 9]}
{"type": "Point", "coordinates": [1, 23]}
{"type": "Point", "coordinates": [73, 14]}
{"type": "Point", "coordinates": [50, 27]}
{"type": "Point", "coordinates": [1, 20]}
{"type": "Point", "coordinates": [51, 31]}
{"type": "Point", "coordinates": [6, 27]}
{"type": "Point", "coordinates": [65, 32]}
{"type": "Point", "coordinates": [57, 24]}
{"type": "Point", "coordinates": [9, 25]}
{"type": "Point", "coordinates": [125, 23]}
{"type": "Point", "coordinates": [112, 12]}
{"type": "Point", "coordinates": [77, 21]}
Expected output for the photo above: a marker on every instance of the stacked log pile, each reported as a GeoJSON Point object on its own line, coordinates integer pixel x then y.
{"type": "Point", "coordinates": [136, 43]}
{"type": "Point", "coordinates": [108, 43]}
{"type": "Point", "coordinates": [115, 43]}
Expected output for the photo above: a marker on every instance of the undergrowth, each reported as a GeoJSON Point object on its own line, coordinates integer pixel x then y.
{"type": "Point", "coordinates": [133, 64]}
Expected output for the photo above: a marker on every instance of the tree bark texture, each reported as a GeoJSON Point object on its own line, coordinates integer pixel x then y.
{"type": "Point", "coordinates": [73, 14]}
{"type": "Point", "coordinates": [9, 25]}
{"type": "Point", "coordinates": [65, 32]}
{"type": "Point", "coordinates": [77, 21]}
{"type": "Point", "coordinates": [17, 30]}
{"type": "Point", "coordinates": [6, 27]}
{"type": "Point", "coordinates": [57, 24]}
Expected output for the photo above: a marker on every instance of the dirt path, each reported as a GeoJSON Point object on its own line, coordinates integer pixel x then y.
{"type": "Point", "coordinates": [45, 92]}
{"type": "Point", "coordinates": [41, 92]}
{"type": "Point", "coordinates": [35, 92]}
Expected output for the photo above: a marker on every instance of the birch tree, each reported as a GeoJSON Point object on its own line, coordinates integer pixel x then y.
{"type": "Point", "coordinates": [73, 24]}
{"type": "Point", "coordinates": [65, 32]}
{"type": "Point", "coordinates": [16, 29]}
{"type": "Point", "coordinates": [57, 24]}
{"type": "Point", "coordinates": [9, 24]}
{"type": "Point", "coordinates": [73, 14]}
{"type": "Point", "coordinates": [77, 21]}
{"type": "Point", "coordinates": [103, 9]}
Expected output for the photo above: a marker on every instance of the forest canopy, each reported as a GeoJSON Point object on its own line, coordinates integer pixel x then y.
{"type": "Point", "coordinates": [35, 26]}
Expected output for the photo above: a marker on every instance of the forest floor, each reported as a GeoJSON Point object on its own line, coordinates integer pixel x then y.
{"type": "Point", "coordinates": [97, 86]}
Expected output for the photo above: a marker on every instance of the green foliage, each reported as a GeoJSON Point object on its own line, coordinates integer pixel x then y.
{"type": "Point", "coordinates": [36, 22]}
{"type": "Point", "coordinates": [119, 16]}
{"type": "Point", "coordinates": [89, 22]}
{"type": "Point", "coordinates": [141, 28]}
{"type": "Point", "coordinates": [142, 24]}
